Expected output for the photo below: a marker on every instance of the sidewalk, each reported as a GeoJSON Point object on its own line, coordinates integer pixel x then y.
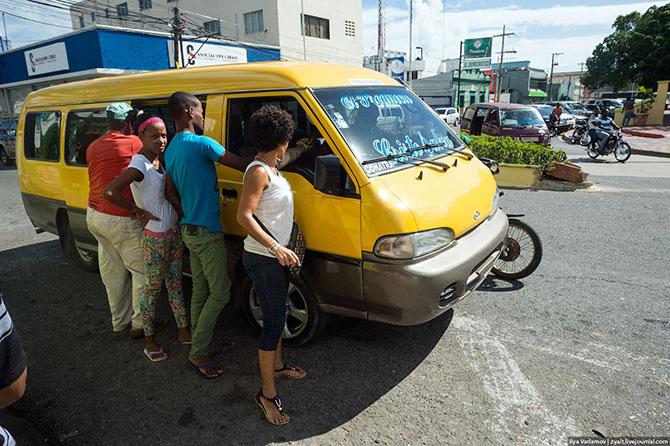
{"type": "Point", "coordinates": [651, 140]}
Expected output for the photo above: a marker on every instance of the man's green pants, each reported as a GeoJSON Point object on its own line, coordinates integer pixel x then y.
{"type": "Point", "coordinates": [211, 285]}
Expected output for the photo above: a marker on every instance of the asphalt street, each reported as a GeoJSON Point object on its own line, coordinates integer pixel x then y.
{"type": "Point", "coordinates": [583, 344]}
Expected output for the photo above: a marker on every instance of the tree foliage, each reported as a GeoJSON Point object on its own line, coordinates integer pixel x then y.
{"type": "Point", "coordinates": [637, 52]}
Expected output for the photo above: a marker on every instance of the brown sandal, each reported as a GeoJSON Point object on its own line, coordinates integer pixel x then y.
{"type": "Point", "coordinates": [276, 401]}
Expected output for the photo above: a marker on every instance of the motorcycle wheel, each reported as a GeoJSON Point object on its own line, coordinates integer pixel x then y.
{"type": "Point", "coordinates": [522, 252]}
{"type": "Point", "coordinates": [623, 152]}
{"type": "Point", "coordinates": [584, 140]}
{"type": "Point", "coordinates": [592, 153]}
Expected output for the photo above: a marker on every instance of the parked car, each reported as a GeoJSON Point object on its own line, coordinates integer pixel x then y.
{"type": "Point", "coordinates": [609, 104]}
{"type": "Point", "coordinates": [576, 109]}
{"type": "Point", "coordinates": [517, 121]}
{"type": "Point", "coordinates": [566, 122]}
{"type": "Point", "coordinates": [449, 115]}
{"type": "Point", "coordinates": [8, 141]}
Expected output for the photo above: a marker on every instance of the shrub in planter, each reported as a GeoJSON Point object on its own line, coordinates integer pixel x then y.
{"type": "Point", "coordinates": [512, 151]}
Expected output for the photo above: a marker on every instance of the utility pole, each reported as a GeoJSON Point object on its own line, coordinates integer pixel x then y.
{"type": "Point", "coordinates": [411, 9]}
{"type": "Point", "coordinates": [502, 52]}
{"type": "Point", "coordinates": [5, 45]}
{"type": "Point", "coordinates": [458, 91]}
{"type": "Point", "coordinates": [581, 87]}
{"type": "Point", "coordinates": [176, 35]}
{"type": "Point", "coordinates": [551, 76]}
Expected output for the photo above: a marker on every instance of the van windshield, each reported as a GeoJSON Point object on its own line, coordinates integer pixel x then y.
{"type": "Point", "coordinates": [379, 121]}
{"type": "Point", "coordinates": [520, 118]}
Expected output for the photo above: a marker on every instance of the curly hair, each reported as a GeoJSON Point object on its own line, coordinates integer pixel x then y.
{"type": "Point", "coordinates": [270, 126]}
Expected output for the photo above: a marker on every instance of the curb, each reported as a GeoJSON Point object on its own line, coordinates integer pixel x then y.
{"type": "Point", "coordinates": [643, 134]}
{"type": "Point", "coordinates": [650, 153]}
{"type": "Point", "coordinates": [561, 186]}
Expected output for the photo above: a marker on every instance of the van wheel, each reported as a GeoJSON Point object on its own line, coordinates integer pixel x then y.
{"type": "Point", "coordinates": [4, 157]}
{"type": "Point", "coordinates": [82, 257]}
{"type": "Point", "coordinates": [304, 320]}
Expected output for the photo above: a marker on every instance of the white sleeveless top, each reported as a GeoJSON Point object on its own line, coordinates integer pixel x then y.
{"type": "Point", "coordinates": [149, 194]}
{"type": "Point", "coordinates": [274, 210]}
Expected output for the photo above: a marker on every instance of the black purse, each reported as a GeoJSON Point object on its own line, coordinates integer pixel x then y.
{"type": "Point", "coordinates": [296, 243]}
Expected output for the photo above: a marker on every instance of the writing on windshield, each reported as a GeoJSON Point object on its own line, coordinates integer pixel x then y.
{"type": "Point", "coordinates": [380, 121]}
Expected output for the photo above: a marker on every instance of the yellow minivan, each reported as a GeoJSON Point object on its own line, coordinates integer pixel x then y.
{"type": "Point", "coordinates": [400, 219]}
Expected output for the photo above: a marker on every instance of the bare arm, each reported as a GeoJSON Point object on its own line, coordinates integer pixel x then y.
{"type": "Point", "coordinates": [293, 153]}
{"type": "Point", "coordinates": [113, 194]}
{"type": "Point", "coordinates": [13, 392]}
{"type": "Point", "coordinates": [236, 162]}
{"type": "Point", "coordinates": [172, 195]}
{"type": "Point", "coordinates": [255, 182]}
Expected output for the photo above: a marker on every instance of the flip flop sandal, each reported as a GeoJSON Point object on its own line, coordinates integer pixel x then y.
{"type": "Point", "coordinates": [293, 369]}
{"type": "Point", "coordinates": [276, 401]}
{"type": "Point", "coordinates": [159, 352]}
{"type": "Point", "coordinates": [203, 375]}
{"type": "Point", "coordinates": [225, 347]}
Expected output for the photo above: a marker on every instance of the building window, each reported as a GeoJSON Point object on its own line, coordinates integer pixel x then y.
{"type": "Point", "coordinates": [349, 28]}
{"type": "Point", "coordinates": [81, 21]}
{"type": "Point", "coordinates": [42, 136]}
{"type": "Point", "coordinates": [106, 13]}
{"type": "Point", "coordinates": [213, 27]}
{"type": "Point", "coordinates": [122, 9]}
{"type": "Point", "coordinates": [93, 17]}
{"type": "Point", "coordinates": [145, 4]}
{"type": "Point", "coordinates": [316, 27]}
{"type": "Point", "coordinates": [253, 22]}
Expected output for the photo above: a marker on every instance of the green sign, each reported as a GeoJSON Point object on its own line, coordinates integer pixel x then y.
{"type": "Point", "coordinates": [477, 48]}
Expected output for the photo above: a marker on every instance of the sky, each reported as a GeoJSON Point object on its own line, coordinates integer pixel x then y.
{"type": "Point", "coordinates": [570, 27]}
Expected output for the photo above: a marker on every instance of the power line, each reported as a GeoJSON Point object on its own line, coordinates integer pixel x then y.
{"type": "Point", "coordinates": [36, 21]}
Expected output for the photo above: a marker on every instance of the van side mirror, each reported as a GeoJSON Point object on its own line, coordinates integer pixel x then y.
{"type": "Point", "coordinates": [331, 178]}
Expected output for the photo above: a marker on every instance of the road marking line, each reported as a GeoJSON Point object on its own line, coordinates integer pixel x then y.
{"type": "Point", "coordinates": [512, 392]}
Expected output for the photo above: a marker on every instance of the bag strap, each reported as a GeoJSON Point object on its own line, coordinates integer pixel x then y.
{"type": "Point", "coordinates": [264, 228]}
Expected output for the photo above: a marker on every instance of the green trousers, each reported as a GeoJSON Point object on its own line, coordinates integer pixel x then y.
{"type": "Point", "coordinates": [211, 286]}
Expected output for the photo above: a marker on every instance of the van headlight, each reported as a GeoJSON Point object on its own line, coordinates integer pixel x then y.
{"type": "Point", "coordinates": [408, 246]}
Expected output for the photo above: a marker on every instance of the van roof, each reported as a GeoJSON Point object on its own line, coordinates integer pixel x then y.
{"type": "Point", "coordinates": [212, 79]}
{"type": "Point", "coordinates": [500, 105]}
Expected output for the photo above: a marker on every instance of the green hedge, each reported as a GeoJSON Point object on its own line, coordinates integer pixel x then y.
{"type": "Point", "coordinates": [512, 151]}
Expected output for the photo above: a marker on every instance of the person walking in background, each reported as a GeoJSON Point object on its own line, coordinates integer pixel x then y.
{"type": "Point", "coordinates": [628, 112]}
{"type": "Point", "coordinates": [117, 230]}
{"type": "Point", "coordinates": [267, 196]}
{"type": "Point", "coordinates": [192, 184]}
{"type": "Point", "coordinates": [13, 368]}
{"type": "Point", "coordinates": [162, 247]}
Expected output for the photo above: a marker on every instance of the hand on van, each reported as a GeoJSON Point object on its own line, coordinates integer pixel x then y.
{"type": "Point", "coordinates": [293, 153]}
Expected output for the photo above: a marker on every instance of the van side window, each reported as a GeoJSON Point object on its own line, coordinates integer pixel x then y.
{"type": "Point", "coordinates": [160, 108]}
{"type": "Point", "coordinates": [239, 140]}
{"type": "Point", "coordinates": [42, 136]}
{"type": "Point", "coordinates": [81, 129]}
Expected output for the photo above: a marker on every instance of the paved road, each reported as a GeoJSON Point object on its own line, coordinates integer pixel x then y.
{"type": "Point", "coordinates": [582, 344]}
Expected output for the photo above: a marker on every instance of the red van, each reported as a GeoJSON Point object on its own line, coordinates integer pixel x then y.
{"type": "Point", "coordinates": [517, 121]}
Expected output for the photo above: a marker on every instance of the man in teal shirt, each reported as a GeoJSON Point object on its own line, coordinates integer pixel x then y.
{"type": "Point", "coordinates": [192, 186]}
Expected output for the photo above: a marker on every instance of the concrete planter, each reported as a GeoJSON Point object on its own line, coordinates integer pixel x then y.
{"type": "Point", "coordinates": [518, 176]}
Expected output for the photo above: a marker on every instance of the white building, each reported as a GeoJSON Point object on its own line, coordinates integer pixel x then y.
{"type": "Point", "coordinates": [373, 63]}
{"type": "Point", "coordinates": [333, 30]}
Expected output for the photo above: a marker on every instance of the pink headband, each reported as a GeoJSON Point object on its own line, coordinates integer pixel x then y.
{"type": "Point", "coordinates": [147, 122]}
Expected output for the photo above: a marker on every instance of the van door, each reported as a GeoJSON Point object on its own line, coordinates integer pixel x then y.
{"type": "Point", "coordinates": [491, 125]}
{"type": "Point", "coordinates": [331, 224]}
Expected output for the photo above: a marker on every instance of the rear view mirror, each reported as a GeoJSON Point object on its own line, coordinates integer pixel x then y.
{"type": "Point", "coordinates": [331, 178]}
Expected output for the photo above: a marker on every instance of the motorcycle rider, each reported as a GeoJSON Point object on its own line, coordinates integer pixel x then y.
{"type": "Point", "coordinates": [592, 127]}
{"type": "Point", "coordinates": [605, 125]}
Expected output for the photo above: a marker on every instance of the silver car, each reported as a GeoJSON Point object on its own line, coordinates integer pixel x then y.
{"type": "Point", "coordinates": [8, 142]}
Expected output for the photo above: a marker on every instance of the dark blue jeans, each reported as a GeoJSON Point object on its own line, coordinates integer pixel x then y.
{"type": "Point", "coordinates": [270, 281]}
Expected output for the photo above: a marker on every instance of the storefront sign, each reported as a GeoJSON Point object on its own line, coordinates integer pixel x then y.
{"type": "Point", "coordinates": [477, 48]}
{"type": "Point", "coordinates": [46, 59]}
{"type": "Point", "coordinates": [209, 54]}
{"type": "Point", "coordinates": [397, 67]}
{"type": "Point", "coordinates": [477, 64]}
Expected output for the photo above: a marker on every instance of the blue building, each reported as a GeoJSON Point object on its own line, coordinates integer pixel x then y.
{"type": "Point", "coordinates": [109, 51]}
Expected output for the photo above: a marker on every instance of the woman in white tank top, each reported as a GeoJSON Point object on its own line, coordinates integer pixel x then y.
{"type": "Point", "coordinates": [267, 196]}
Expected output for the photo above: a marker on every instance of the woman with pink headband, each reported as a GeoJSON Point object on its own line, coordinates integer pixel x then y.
{"type": "Point", "coordinates": [162, 246]}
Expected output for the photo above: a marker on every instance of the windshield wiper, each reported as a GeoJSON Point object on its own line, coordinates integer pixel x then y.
{"type": "Point", "coordinates": [395, 156]}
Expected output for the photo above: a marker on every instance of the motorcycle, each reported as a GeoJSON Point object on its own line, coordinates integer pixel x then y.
{"type": "Point", "coordinates": [552, 125]}
{"type": "Point", "coordinates": [580, 135]}
{"type": "Point", "coordinates": [615, 144]}
{"type": "Point", "coordinates": [522, 251]}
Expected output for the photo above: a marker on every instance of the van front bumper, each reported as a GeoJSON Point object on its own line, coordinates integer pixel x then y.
{"type": "Point", "coordinates": [413, 292]}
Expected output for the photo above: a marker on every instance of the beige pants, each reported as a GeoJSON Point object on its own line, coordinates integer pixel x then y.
{"type": "Point", "coordinates": [121, 265]}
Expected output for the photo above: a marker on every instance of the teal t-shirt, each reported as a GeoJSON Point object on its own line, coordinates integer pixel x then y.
{"type": "Point", "coordinates": [189, 159]}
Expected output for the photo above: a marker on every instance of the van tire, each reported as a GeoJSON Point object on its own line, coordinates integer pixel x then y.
{"type": "Point", "coordinates": [87, 260]}
{"type": "Point", "coordinates": [304, 319]}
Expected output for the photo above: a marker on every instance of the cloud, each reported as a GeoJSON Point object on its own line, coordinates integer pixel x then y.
{"type": "Point", "coordinates": [439, 33]}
